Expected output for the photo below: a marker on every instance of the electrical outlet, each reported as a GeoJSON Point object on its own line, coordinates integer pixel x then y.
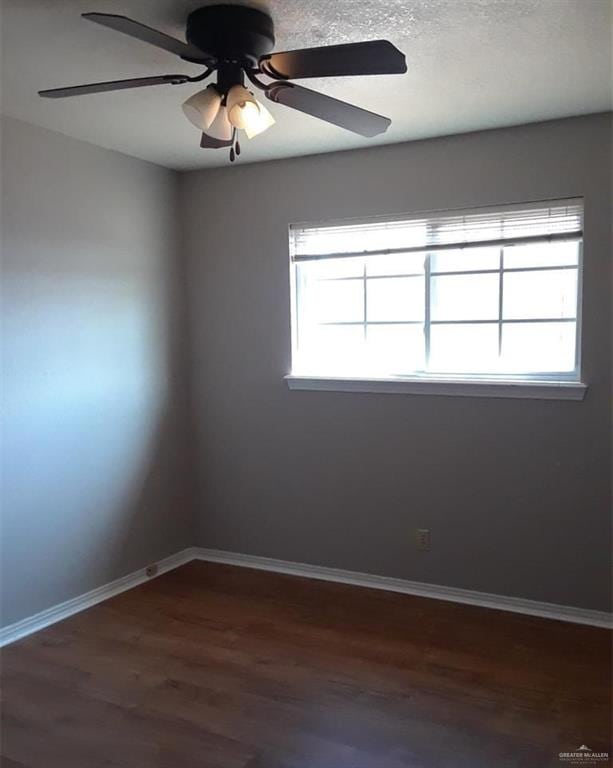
{"type": "Point", "coordinates": [422, 536]}
{"type": "Point", "coordinates": [151, 570]}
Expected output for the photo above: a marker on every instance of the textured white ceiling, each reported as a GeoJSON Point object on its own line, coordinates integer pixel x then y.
{"type": "Point", "coordinates": [473, 64]}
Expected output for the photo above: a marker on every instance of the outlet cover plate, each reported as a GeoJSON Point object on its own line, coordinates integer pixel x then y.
{"type": "Point", "coordinates": [423, 539]}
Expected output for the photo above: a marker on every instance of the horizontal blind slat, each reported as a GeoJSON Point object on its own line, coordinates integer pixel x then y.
{"type": "Point", "coordinates": [553, 220]}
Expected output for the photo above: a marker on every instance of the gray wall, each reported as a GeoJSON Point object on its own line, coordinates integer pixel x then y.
{"type": "Point", "coordinates": [516, 492]}
{"type": "Point", "coordinates": [94, 461]}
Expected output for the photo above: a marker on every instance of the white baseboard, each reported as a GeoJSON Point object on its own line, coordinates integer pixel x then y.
{"type": "Point", "coordinates": [56, 613]}
{"type": "Point", "coordinates": [435, 591]}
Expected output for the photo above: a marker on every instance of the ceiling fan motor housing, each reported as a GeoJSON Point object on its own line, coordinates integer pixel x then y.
{"type": "Point", "coordinates": [231, 33]}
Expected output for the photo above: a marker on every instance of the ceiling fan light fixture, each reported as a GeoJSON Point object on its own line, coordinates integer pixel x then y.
{"type": "Point", "coordinates": [202, 108]}
{"type": "Point", "coordinates": [259, 124]}
{"type": "Point", "coordinates": [242, 107]}
{"type": "Point", "coordinates": [221, 128]}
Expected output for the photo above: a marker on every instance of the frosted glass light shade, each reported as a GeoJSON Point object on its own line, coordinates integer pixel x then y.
{"type": "Point", "coordinates": [201, 109]}
{"type": "Point", "coordinates": [242, 106]}
{"type": "Point", "coordinates": [220, 128]}
{"type": "Point", "coordinates": [260, 123]}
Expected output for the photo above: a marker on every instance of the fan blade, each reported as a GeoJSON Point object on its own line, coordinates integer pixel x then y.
{"type": "Point", "coordinates": [375, 57]}
{"type": "Point", "coordinates": [208, 142]}
{"type": "Point", "coordinates": [113, 85]}
{"type": "Point", "coordinates": [324, 107]}
{"type": "Point", "coordinates": [148, 35]}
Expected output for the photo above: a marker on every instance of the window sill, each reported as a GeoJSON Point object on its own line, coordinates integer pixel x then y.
{"type": "Point", "coordinates": [537, 390]}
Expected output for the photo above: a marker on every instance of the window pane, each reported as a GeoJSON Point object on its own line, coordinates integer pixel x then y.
{"type": "Point", "coordinates": [464, 348]}
{"type": "Point", "coordinates": [541, 255]}
{"type": "Point", "coordinates": [538, 347]}
{"type": "Point", "coordinates": [337, 301]}
{"type": "Point", "coordinates": [396, 264]}
{"type": "Point", "coordinates": [365, 315]}
{"type": "Point", "coordinates": [395, 298]}
{"type": "Point", "coordinates": [552, 293]}
{"type": "Point", "coordinates": [331, 268]}
{"type": "Point", "coordinates": [395, 349]}
{"type": "Point", "coordinates": [465, 259]}
{"type": "Point", "coordinates": [464, 297]}
{"type": "Point", "coordinates": [335, 349]}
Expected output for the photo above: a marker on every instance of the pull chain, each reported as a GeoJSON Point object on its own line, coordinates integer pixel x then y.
{"type": "Point", "coordinates": [232, 154]}
{"type": "Point", "coordinates": [235, 149]}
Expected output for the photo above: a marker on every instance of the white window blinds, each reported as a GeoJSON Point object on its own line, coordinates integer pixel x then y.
{"type": "Point", "coordinates": [437, 231]}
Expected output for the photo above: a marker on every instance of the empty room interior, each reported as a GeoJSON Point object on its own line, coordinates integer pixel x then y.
{"type": "Point", "coordinates": [306, 380]}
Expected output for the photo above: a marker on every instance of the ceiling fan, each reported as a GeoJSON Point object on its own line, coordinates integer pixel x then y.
{"type": "Point", "coordinates": [236, 42]}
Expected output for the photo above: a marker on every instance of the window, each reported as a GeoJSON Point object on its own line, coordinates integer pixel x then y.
{"type": "Point", "coordinates": [484, 295]}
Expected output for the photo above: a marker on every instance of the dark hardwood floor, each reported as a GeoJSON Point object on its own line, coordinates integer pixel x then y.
{"type": "Point", "coordinates": [221, 667]}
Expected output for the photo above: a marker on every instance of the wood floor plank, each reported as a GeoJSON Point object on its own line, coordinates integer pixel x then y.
{"type": "Point", "coordinates": [223, 667]}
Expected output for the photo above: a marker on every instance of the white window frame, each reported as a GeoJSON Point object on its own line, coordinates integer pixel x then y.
{"type": "Point", "coordinates": [546, 385]}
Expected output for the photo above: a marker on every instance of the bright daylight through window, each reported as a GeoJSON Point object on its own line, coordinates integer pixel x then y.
{"type": "Point", "coordinates": [474, 295]}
